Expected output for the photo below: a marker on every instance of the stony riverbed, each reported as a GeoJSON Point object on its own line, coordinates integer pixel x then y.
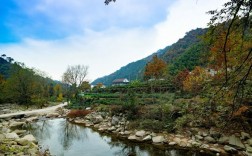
{"type": "Point", "coordinates": [14, 140]}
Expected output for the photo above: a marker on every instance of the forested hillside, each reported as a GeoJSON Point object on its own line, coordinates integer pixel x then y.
{"type": "Point", "coordinates": [4, 67]}
{"type": "Point", "coordinates": [186, 52]}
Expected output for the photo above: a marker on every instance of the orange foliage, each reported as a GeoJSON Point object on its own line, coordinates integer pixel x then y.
{"type": "Point", "coordinates": [178, 80]}
{"type": "Point", "coordinates": [155, 68]}
{"type": "Point", "coordinates": [194, 81]}
{"type": "Point", "coordinates": [240, 111]}
{"type": "Point", "coordinates": [78, 113]}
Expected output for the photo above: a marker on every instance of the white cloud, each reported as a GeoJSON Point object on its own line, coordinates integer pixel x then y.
{"type": "Point", "coordinates": [108, 50]}
{"type": "Point", "coordinates": [103, 52]}
{"type": "Point", "coordinates": [183, 16]}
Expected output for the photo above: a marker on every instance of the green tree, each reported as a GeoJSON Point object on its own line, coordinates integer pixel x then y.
{"type": "Point", "coordinates": [85, 86]}
{"type": "Point", "coordinates": [20, 85]}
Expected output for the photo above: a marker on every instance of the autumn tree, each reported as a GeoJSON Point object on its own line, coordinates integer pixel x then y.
{"type": "Point", "coordinates": [180, 78]}
{"type": "Point", "coordinates": [194, 82]}
{"type": "Point", "coordinates": [155, 69]}
{"type": "Point", "coordinates": [230, 42]}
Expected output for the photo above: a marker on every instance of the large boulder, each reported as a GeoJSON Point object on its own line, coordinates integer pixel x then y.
{"type": "Point", "coordinates": [141, 133]}
{"type": "Point", "coordinates": [15, 124]}
{"type": "Point", "coordinates": [158, 139]}
{"type": "Point", "coordinates": [236, 142]}
{"type": "Point", "coordinates": [30, 138]}
{"type": "Point", "coordinates": [97, 119]}
{"type": "Point", "coordinates": [11, 136]}
{"type": "Point", "coordinates": [114, 120]}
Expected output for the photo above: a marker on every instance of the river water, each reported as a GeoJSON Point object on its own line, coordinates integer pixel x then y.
{"type": "Point", "coordinates": [63, 138]}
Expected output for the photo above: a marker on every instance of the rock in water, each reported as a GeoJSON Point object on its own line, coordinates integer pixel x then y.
{"type": "Point", "coordinates": [140, 133]}
{"type": "Point", "coordinates": [158, 139]}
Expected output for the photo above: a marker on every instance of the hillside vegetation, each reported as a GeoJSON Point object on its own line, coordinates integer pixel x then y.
{"type": "Point", "coordinates": [185, 53]}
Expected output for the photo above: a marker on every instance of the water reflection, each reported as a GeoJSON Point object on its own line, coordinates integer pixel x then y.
{"type": "Point", "coordinates": [65, 139]}
{"type": "Point", "coordinates": [69, 133]}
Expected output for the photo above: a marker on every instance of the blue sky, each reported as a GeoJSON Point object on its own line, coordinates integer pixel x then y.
{"type": "Point", "coordinates": [52, 34]}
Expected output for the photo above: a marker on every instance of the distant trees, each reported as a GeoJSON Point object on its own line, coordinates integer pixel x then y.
{"type": "Point", "coordinates": [75, 75]}
{"type": "Point", "coordinates": [26, 86]}
{"type": "Point", "coordinates": [155, 69]}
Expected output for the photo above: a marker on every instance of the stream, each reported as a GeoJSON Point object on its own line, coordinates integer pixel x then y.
{"type": "Point", "coordinates": [63, 138]}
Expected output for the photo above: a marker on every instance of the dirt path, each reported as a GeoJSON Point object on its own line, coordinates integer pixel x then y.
{"type": "Point", "coordinates": [32, 112]}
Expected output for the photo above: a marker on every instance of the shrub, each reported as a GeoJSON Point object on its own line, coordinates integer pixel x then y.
{"type": "Point", "coordinates": [78, 113]}
{"type": "Point", "coordinates": [183, 121]}
{"type": "Point", "coordinates": [148, 124]}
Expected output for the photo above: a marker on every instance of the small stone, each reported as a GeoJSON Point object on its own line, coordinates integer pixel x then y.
{"type": "Point", "coordinates": [249, 142]}
{"type": "Point", "coordinates": [210, 139]}
{"type": "Point", "coordinates": [111, 128]}
{"type": "Point", "coordinates": [11, 135]}
{"type": "Point", "coordinates": [230, 149]}
{"type": "Point", "coordinates": [172, 143]}
{"type": "Point", "coordinates": [177, 140]}
{"type": "Point", "coordinates": [127, 132]}
{"type": "Point", "coordinates": [140, 133]}
{"type": "Point", "coordinates": [2, 136]}
{"type": "Point", "coordinates": [244, 136]}
{"type": "Point", "coordinates": [14, 124]}
{"type": "Point", "coordinates": [132, 137]}
{"type": "Point", "coordinates": [30, 138]}
{"type": "Point", "coordinates": [195, 144]}
{"type": "Point", "coordinates": [158, 139]}
{"type": "Point", "coordinates": [183, 144]}
{"type": "Point", "coordinates": [198, 137]}
{"type": "Point", "coordinates": [215, 150]}
{"type": "Point", "coordinates": [206, 146]}
{"type": "Point", "coordinates": [147, 138]}
{"type": "Point", "coordinates": [223, 140]}
{"type": "Point", "coordinates": [114, 121]}
{"type": "Point", "coordinates": [214, 133]}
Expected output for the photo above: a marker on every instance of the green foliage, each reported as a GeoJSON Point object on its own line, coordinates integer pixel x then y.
{"type": "Point", "coordinates": [183, 121]}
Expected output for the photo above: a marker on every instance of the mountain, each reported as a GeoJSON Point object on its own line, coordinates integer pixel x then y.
{"type": "Point", "coordinates": [185, 53]}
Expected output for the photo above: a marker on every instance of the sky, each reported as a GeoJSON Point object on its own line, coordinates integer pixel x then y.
{"type": "Point", "coordinates": [50, 35]}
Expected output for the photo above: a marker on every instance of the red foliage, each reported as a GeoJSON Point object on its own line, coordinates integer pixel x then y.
{"type": "Point", "coordinates": [178, 80]}
{"type": "Point", "coordinates": [78, 113]}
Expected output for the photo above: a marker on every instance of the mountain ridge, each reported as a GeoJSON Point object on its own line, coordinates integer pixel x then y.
{"type": "Point", "coordinates": [170, 54]}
